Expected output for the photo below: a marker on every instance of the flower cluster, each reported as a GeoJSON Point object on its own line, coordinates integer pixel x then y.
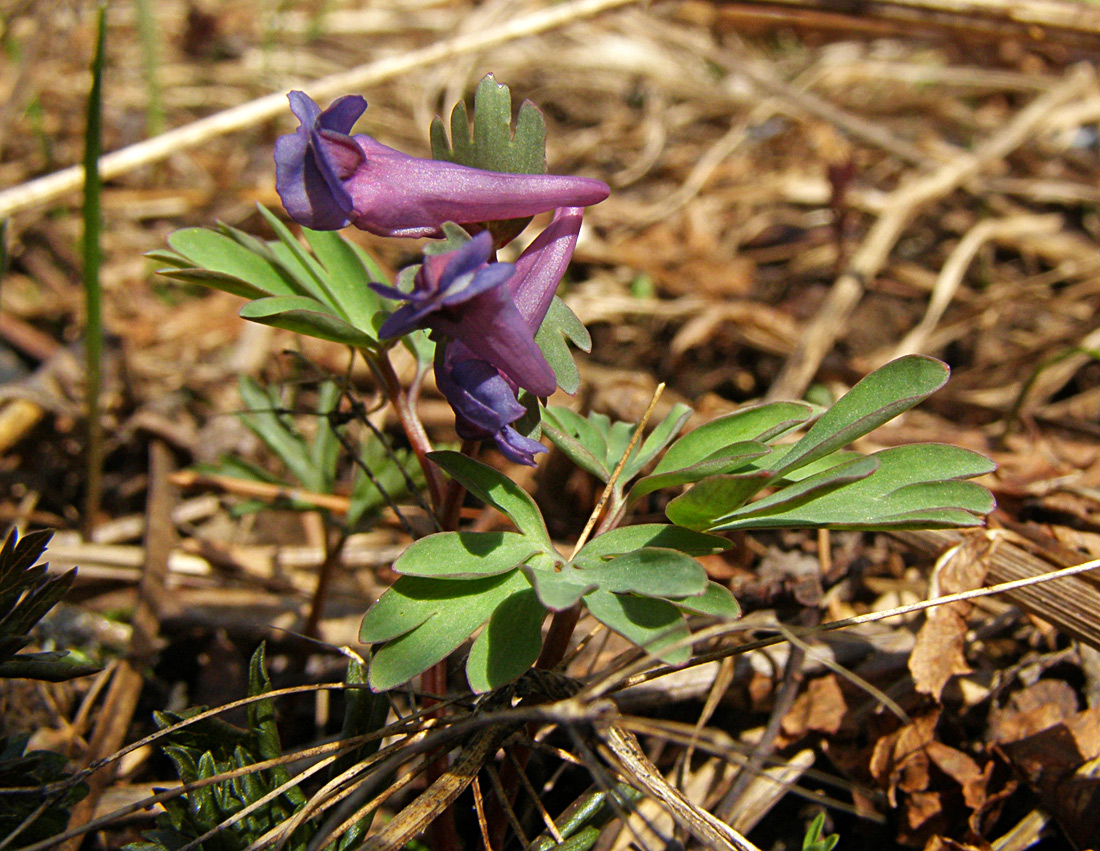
{"type": "Point", "coordinates": [483, 313]}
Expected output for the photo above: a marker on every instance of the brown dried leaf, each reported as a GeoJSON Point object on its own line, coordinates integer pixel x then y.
{"type": "Point", "coordinates": [820, 708]}
{"type": "Point", "coordinates": [941, 843]}
{"type": "Point", "coordinates": [1033, 710]}
{"type": "Point", "coordinates": [939, 653]}
{"type": "Point", "coordinates": [900, 760]}
{"type": "Point", "coordinates": [1054, 761]}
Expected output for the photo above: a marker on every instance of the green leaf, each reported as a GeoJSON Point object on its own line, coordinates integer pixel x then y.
{"type": "Point", "coordinates": [713, 497]}
{"type": "Point", "coordinates": [307, 316]}
{"type": "Point", "coordinates": [717, 601]}
{"type": "Point", "coordinates": [581, 442]}
{"type": "Point", "coordinates": [878, 398]}
{"type": "Point", "coordinates": [658, 439]}
{"type": "Point", "coordinates": [262, 419]}
{"type": "Point", "coordinates": [465, 554]}
{"type": "Point", "coordinates": [51, 666]}
{"type": "Point", "coordinates": [494, 488]}
{"type": "Point", "coordinates": [559, 589]}
{"type": "Point", "coordinates": [214, 280]}
{"type": "Point", "coordinates": [324, 450]}
{"type": "Point", "coordinates": [306, 269]}
{"type": "Point", "coordinates": [797, 493]}
{"type": "Point", "coordinates": [509, 644]}
{"type": "Point", "coordinates": [624, 539]}
{"type": "Point", "coordinates": [221, 256]}
{"type": "Point", "coordinates": [348, 278]}
{"type": "Point", "coordinates": [724, 460]}
{"type": "Point", "coordinates": [760, 423]}
{"type": "Point", "coordinates": [491, 143]}
{"type": "Point", "coordinates": [562, 324]}
{"type": "Point", "coordinates": [448, 611]}
{"type": "Point", "coordinates": [920, 485]}
{"type": "Point", "coordinates": [649, 572]}
{"type": "Point", "coordinates": [653, 625]}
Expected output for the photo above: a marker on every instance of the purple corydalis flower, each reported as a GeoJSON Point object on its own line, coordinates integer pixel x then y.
{"type": "Point", "coordinates": [328, 179]}
{"type": "Point", "coordinates": [484, 403]}
{"type": "Point", "coordinates": [461, 295]}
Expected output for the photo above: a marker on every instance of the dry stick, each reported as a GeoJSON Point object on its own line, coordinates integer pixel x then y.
{"type": "Point", "coordinates": [123, 694]}
{"type": "Point", "coordinates": [58, 184]}
{"type": "Point", "coordinates": [1073, 606]}
{"type": "Point", "coordinates": [898, 210]}
{"type": "Point", "coordinates": [635, 675]}
{"type": "Point", "coordinates": [1049, 21]}
{"type": "Point", "coordinates": [954, 268]}
{"type": "Point", "coordinates": [563, 623]}
{"type": "Point", "coordinates": [711, 832]}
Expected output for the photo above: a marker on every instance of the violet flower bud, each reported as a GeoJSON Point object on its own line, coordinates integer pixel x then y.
{"type": "Point", "coordinates": [328, 179]}
{"type": "Point", "coordinates": [484, 403]}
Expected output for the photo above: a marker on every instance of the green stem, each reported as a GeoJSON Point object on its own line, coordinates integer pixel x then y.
{"type": "Point", "coordinates": [93, 258]}
{"type": "Point", "coordinates": [150, 55]}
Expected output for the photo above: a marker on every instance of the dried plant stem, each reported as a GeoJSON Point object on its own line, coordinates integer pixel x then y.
{"type": "Point", "coordinates": [898, 211]}
{"type": "Point", "coordinates": [335, 539]}
{"type": "Point", "coordinates": [564, 622]}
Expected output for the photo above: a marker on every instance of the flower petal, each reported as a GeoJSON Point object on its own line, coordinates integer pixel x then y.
{"type": "Point", "coordinates": [542, 265]}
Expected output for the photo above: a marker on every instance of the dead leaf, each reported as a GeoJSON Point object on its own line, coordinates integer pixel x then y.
{"type": "Point", "coordinates": [1032, 710]}
{"type": "Point", "coordinates": [820, 708]}
{"type": "Point", "coordinates": [900, 760]}
{"type": "Point", "coordinates": [1055, 762]}
{"type": "Point", "coordinates": [939, 653]}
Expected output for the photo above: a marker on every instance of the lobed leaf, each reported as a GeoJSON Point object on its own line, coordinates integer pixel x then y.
{"type": "Point", "coordinates": [509, 644]}
{"type": "Point", "coordinates": [223, 257]}
{"type": "Point", "coordinates": [494, 488]}
{"type": "Point", "coordinates": [756, 424]}
{"type": "Point", "coordinates": [649, 572]}
{"type": "Point", "coordinates": [465, 554]}
{"type": "Point", "coordinates": [653, 625]}
{"type": "Point", "coordinates": [725, 460]}
{"type": "Point", "coordinates": [307, 316]}
{"type": "Point", "coordinates": [579, 439]}
{"type": "Point", "coordinates": [625, 539]}
{"type": "Point", "coordinates": [876, 399]}
{"type": "Point", "coordinates": [347, 276]}
{"type": "Point", "coordinates": [560, 589]}
{"type": "Point", "coordinates": [663, 434]}
{"type": "Point", "coordinates": [445, 613]}
{"type": "Point", "coordinates": [921, 485]}
{"type": "Point", "coordinates": [717, 601]}
{"type": "Point", "coordinates": [561, 324]}
{"type": "Point", "coordinates": [713, 497]}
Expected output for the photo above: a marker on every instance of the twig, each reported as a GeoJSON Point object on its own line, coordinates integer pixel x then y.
{"type": "Point", "coordinates": [564, 622]}
{"type": "Point", "coordinates": [898, 210]}
{"type": "Point", "coordinates": [636, 675]}
{"type": "Point", "coordinates": [954, 268]}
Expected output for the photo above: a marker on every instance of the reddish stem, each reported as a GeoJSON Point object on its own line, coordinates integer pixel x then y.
{"type": "Point", "coordinates": [410, 423]}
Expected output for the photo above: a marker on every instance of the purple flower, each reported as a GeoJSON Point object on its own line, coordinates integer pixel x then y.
{"type": "Point", "coordinates": [462, 296]}
{"type": "Point", "coordinates": [328, 179]}
{"type": "Point", "coordinates": [489, 350]}
{"type": "Point", "coordinates": [484, 403]}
